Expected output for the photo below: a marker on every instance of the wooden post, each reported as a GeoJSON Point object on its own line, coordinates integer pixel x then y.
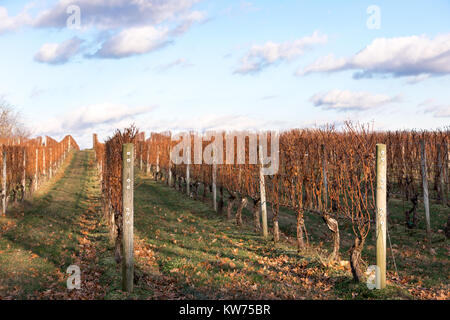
{"type": "Point", "coordinates": [262, 189]}
{"type": "Point", "coordinates": [36, 174]}
{"type": "Point", "coordinates": [381, 215]}
{"type": "Point", "coordinates": [128, 213]}
{"type": "Point", "coordinates": [214, 184]}
{"type": "Point", "coordinates": [425, 186]}
{"type": "Point", "coordinates": [4, 185]}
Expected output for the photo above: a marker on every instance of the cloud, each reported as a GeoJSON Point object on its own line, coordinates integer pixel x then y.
{"type": "Point", "coordinates": [438, 110]}
{"type": "Point", "coordinates": [188, 20]}
{"type": "Point", "coordinates": [36, 92]}
{"type": "Point", "coordinates": [414, 56]}
{"type": "Point", "coordinates": [212, 122]}
{"type": "Point", "coordinates": [260, 57]}
{"type": "Point", "coordinates": [133, 41]}
{"type": "Point", "coordinates": [182, 62]}
{"type": "Point", "coordinates": [88, 118]}
{"type": "Point", "coordinates": [417, 79]}
{"type": "Point", "coordinates": [8, 23]}
{"type": "Point", "coordinates": [132, 26]}
{"type": "Point", "coordinates": [107, 14]}
{"type": "Point", "coordinates": [346, 100]}
{"type": "Point", "coordinates": [58, 53]}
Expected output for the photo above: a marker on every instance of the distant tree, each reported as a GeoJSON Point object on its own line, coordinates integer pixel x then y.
{"type": "Point", "coordinates": [10, 122]}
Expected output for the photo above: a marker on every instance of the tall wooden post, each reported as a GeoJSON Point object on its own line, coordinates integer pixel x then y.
{"type": "Point", "coordinates": [381, 214]}
{"type": "Point", "coordinates": [128, 216]}
{"type": "Point", "coordinates": [4, 202]}
{"type": "Point", "coordinates": [214, 184]}
{"type": "Point", "coordinates": [262, 189]}
{"type": "Point", "coordinates": [426, 203]}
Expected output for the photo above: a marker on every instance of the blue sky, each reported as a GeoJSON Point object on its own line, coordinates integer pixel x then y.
{"type": "Point", "coordinates": [191, 64]}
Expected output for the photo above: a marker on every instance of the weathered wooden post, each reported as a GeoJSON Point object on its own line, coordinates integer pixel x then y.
{"type": "Point", "coordinates": [214, 184]}
{"type": "Point", "coordinates": [128, 219]}
{"type": "Point", "coordinates": [4, 202]}
{"type": "Point", "coordinates": [381, 215]}
{"type": "Point", "coordinates": [426, 203]}
{"type": "Point", "coordinates": [262, 189]}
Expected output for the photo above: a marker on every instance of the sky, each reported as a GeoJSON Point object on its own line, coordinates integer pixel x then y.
{"type": "Point", "coordinates": [82, 66]}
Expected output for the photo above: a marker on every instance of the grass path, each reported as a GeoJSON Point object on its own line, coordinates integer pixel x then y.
{"type": "Point", "coordinates": [54, 230]}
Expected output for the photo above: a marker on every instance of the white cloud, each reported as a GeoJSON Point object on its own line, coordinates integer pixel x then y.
{"type": "Point", "coordinates": [133, 41]}
{"type": "Point", "coordinates": [107, 14]}
{"type": "Point", "coordinates": [418, 78]}
{"type": "Point", "coordinates": [344, 100]}
{"type": "Point", "coordinates": [58, 53]}
{"type": "Point", "coordinates": [188, 20]}
{"type": "Point", "coordinates": [262, 56]}
{"type": "Point", "coordinates": [414, 56]}
{"type": "Point", "coordinates": [92, 117]}
{"type": "Point", "coordinates": [133, 26]}
{"type": "Point", "coordinates": [182, 62]}
{"type": "Point", "coordinates": [8, 23]}
{"type": "Point", "coordinates": [437, 110]}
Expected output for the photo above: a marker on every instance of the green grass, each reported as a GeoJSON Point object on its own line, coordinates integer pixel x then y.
{"type": "Point", "coordinates": [183, 249]}
{"type": "Point", "coordinates": [44, 239]}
